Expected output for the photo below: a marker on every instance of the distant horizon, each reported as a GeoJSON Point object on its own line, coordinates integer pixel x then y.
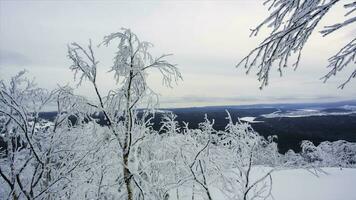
{"type": "Point", "coordinates": [256, 103]}
{"type": "Point", "coordinates": [352, 101]}
{"type": "Point", "coordinates": [252, 105]}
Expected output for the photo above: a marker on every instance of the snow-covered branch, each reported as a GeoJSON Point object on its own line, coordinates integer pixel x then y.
{"type": "Point", "coordinates": [292, 22]}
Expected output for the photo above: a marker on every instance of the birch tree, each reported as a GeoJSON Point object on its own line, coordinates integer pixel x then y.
{"type": "Point", "coordinates": [132, 61]}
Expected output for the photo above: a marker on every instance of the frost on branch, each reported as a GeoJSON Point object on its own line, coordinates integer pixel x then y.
{"type": "Point", "coordinates": [39, 155]}
{"type": "Point", "coordinates": [346, 56]}
{"type": "Point", "coordinates": [292, 22]}
{"type": "Point", "coordinates": [169, 124]}
{"type": "Point", "coordinates": [133, 60]}
{"type": "Point", "coordinates": [84, 63]}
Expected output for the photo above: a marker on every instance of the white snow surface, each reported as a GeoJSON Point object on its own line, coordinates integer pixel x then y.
{"type": "Point", "coordinates": [249, 119]}
{"type": "Point", "coordinates": [299, 184]}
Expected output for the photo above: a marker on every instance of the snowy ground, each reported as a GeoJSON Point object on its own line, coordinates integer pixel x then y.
{"type": "Point", "coordinates": [302, 185]}
{"type": "Point", "coordinates": [299, 184]}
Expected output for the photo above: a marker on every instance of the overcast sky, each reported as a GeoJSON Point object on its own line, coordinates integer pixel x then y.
{"type": "Point", "coordinates": [207, 39]}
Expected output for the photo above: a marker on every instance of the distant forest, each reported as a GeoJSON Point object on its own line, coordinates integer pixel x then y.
{"type": "Point", "coordinates": [290, 132]}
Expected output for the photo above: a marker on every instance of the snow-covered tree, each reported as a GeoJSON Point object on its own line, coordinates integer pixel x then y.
{"type": "Point", "coordinates": [225, 161]}
{"type": "Point", "coordinates": [292, 22]}
{"type": "Point", "coordinates": [39, 155]}
{"type": "Point", "coordinates": [249, 150]}
{"type": "Point", "coordinates": [132, 61]}
{"type": "Point", "coordinates": [329, 154]}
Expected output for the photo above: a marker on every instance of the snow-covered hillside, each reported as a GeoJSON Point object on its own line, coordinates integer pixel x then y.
{"type": "Point", "coordinates": [306, 113]}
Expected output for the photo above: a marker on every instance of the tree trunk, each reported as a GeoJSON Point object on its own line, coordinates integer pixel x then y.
{"type": "Point", "coordinates": [127, 177]}
{"type": "Point", "coordinates": [14, 196]}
